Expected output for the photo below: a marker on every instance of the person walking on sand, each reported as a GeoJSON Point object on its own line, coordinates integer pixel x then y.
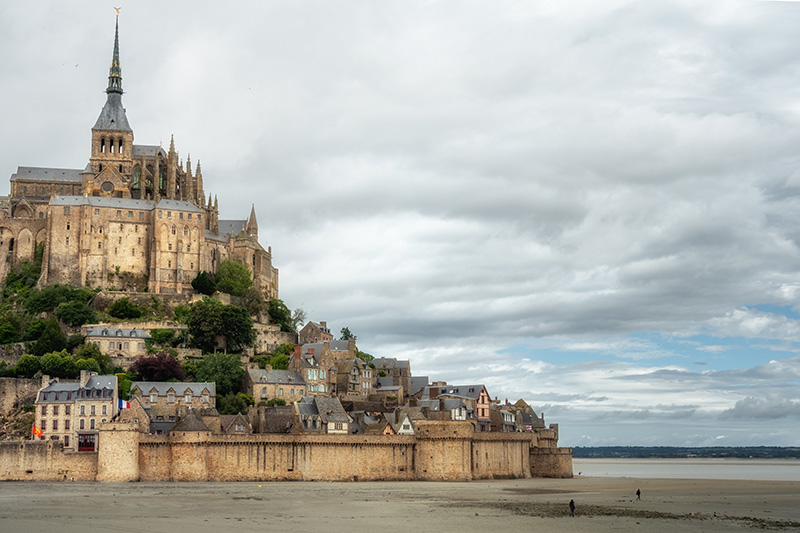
{"type": "Point", "coordinates": [572, 507]}
{"type": "Point", "coordinates": [638, 494]}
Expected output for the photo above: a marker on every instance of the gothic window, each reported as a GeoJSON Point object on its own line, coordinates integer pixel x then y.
{"type": "Point", "coordinates": [44, 191]}
{"type": "Point", "coordinates": [120, 150]}
{"type": "Point", "coordinates": [137, 177]}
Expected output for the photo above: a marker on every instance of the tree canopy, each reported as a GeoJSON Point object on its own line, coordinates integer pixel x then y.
{"type": "Point", "coordinates": [225, 369]}
{"type": "Point", "coordinates": [280, 314]}
{"type": "Point", "coordinates": [233, 278]}
{"type": "Point", "coordinates": [209, 318]}
{"type": "Point", "coordinates": [159, 367]}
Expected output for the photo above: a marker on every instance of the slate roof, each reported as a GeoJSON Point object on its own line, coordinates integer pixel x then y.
{"type": "Point", "coordinates": [146, 149]}
{"type": "Point", "coordinates": [178, 205]}
{"type": "Point", "coordinates": [102, 201]}
{"type": "Point", "coordinates": [46, 174]}
{"type": "Point", "coordinates": [190, 422]}
{"type": "Point", "coordinates": [465, 391]}
{"type": "Point", "coordinates": [258, 375]}
{"type": "Point", "coordinates": [231, 227]}
{"type": "Point", "coordinates": [388, 363]}
{"type": "Point", "coordinates": [418, 383]}
{"type": "Point", "coordinates": [61, 391]}
{"type": "Point", "coordinates": [336, 346]}
{"type": "Point", "coordinates": [278, 419]}
{"type": "Point", "coordinates": [112, 116]}
{"type": "Point", "coordinates": [328, 409]}
{"type": "Point", "coordinates": [117, 333]}
{"type": "Point", "coordinates": [179, 387]}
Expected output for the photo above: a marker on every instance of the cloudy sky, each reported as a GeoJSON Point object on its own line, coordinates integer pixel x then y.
{"type": "Point", "coordinates": [594, 206]}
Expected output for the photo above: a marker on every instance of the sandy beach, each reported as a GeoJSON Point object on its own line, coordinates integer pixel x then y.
{"type": "Point", "coordinates": [603, 504]}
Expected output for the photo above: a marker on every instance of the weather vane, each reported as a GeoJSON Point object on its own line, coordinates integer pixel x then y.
{"type": "Point", "coordinates": [117, 10]}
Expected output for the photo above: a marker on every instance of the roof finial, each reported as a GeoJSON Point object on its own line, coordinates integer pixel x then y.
{"type": "Point", "coordinates": [115, 72]}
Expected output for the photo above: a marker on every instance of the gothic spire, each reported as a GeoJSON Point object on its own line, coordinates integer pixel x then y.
{"type": "Point", "coordinates": [115, 71]}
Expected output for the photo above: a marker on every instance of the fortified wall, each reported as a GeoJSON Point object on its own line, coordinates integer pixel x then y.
{"type": "Point", "coordinates": [439, 451]}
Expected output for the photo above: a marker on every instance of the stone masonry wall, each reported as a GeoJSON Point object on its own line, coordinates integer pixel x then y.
{"type": "Point", "coordinates": [16, 391]}
{"type": "Point", "coordinates": [38, 460]}
{"type": "Point", "coordinates": [551, 462]}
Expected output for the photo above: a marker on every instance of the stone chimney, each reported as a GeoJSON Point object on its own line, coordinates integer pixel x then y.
{"type": "Point", "coordinates": [45, 380]}
{"type": "Point", "coordinates": [323, 324]}
{"type": "Point", "coordinates": [85, 374]}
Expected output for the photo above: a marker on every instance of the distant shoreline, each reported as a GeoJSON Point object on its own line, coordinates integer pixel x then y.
{"type": "Point", "coordinates": [677, 452]}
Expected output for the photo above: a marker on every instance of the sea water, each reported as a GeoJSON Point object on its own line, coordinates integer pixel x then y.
{"type": "Point", "coordinates": [744, 469]}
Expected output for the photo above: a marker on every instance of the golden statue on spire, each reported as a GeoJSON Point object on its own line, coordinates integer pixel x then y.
{"type": "Point", "coordinates": [117, 10]}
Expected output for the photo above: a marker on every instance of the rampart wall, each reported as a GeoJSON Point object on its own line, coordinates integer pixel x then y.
{"type": "Point", "coordinates": [438, 451]}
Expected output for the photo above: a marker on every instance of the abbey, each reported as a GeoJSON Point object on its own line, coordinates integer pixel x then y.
{"type": "Point", "coordinates": [135, 218]}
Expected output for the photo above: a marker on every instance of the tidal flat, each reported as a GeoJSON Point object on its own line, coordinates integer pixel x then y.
{"type": "Point", "coordinates": [602, 504]}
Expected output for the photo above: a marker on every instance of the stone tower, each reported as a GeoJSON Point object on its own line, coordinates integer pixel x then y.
{"type": "Point", "coordinates": [112, 137]}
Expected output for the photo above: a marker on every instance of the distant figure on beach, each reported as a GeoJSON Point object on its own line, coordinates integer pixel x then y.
{"type": "Point", "coordinates": [638, 494]}
{"type": "Point", "coordinates": [572, 507]}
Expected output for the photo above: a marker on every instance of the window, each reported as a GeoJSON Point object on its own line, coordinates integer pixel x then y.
{"type": "Point", "coordinates": [96, 211]}
{"type": "Point", "coordinates": [141, 216]}
{"type": "Point", "coordinates": [67, 409]}
{"type": "Point", "coordinates": [205, 398]}
{"type": "Point", "coordinates": [91, 409]}
{"type": "Point", "coordinates": [130, 214]}
{"type": "Point", "coordinates": [120, 238]}
{"type": "Point", "coordinates": [81, 423]}
{"type": "Point", "coordinates": [55, 424]}
{"type": "Point", "coordinates": [44, 410]}
{"type": "Point", "coordinates": [186, 231]}
{"type": "Point", "coordinates": [291, 392]}
{"type": "Point", "coordinates": [180, 216]}
{"type": "Point", "coordinates": [174, 230]}
{"type": "Point", "coordinates": [159, 214]}
{"type": "Point", "coordinates": [169, 247]}
{"type": "Point", "coordinates": [83, 412]}
{"type": "Point", "coordinates": [66, 424]}
{"type": "Point", "coordinates": [188, 247]}
{"type": "Point", "coordinates": [41, 214]}
{"type": "Point", "coordinates": [44, 426]}
{"type": "Point", "coordinates": [120, 227]}
{"type": "Point", "coordinates": [133, 250]}
{"type": "Point", "coordinates": [104, 411]}
{"type": "Point", "coordinates": [99, 245]}
{"type": "Point", "coordinates": [170, 398]}
{"type": "Point", "coordinates": [119, 213]}
{"type": "Point", "coordinates": [153, 397]}
{"type": "Point", "coordinates": [280, 392]}
{"type": "Point", "coordinates": [66, 437]}
{"type": "Point", "coordinates": [55, 409]}
{"type": "Point", "coordinates": [198, 218]}
{"type": "Point", "coordinates": [67, 241]}
{"type": "Point", "coordinates": [169, 214]}
{"type": "Point", "coordinates": [91, 423]}
{"type": "Point", "coordinates": [190, 216]}
{"type": "Point", "coordinates": [169, 263]}
{"type": "Point", "coordinates": [187, 398]}
{"type": "Point", "coordinates": [264, 393]}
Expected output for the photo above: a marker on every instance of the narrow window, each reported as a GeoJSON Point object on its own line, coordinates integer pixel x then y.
{"type": "Point", "coordinates": [141, 216]}
{"type": "Point", "coordinates": [66, 210]}
{"type": "Point", "coordinates": [92, 409]}
{"type": "Point", "coordinates": [96, 211]}
{"type": "Point", "coordinates": [67, 226]}
{"type": "Point", "coordinates": [169, 214]}
{"type": "Point", "coordinates": [133, 250]}
{"type": "Point", "coordinates": [44, 410]}
{"type": "Point", "coordinates": [83, 412]}
{"type": "Point", "coordinates": [180, 215]}
{"type": "Point", "coordinates": [119, 213]}
{"type": "Point", "coordinates": [66, 424]}
{"type": "Point", "coordinates": [91, 423]}
{"type": "Point", "coordinates": [67, 241]}
{"type": "Point", "coordinates": [130, 214]}
{"type": "Point", "coordinates": [102, 146]}
{"type": "Point", "coordinates": [81, 424]}
{"type": "Point", "coordinates": [120, 151]}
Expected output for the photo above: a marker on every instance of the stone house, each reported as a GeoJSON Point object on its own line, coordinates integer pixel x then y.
{"type": "Point", "coordinates": [170, 401]}
{"type": "Point", "coordinates": [71, 412]}
{"type": "Point", "coordinates": [475, 397]}
{"type": "Point", "coordinates": [135, 217]}
{"type": "Point", "coordinates": [322, 415]}
{"type": "Point", "coordinates": [314, 332]}
{"type": "Point", "coordinates": [452, 409]}
{"type": "Point", "coordinates": [315, 364]}
{"type": "Point", "coordinates": [355, 379]}
{"type": "Point", "coordinates": [236, 424]}
{"type": "Point", "coordinates": [502, 418]}
{"type": "Point", "coordinates": [397, 369]}
{"type": "Point", "coordinates": [267, 384]}
{"type": "Point", "coordinates": [118, 342]}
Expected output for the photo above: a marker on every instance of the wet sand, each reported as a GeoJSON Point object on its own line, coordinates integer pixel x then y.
{"type": "Point", "coordinates": [603, 504]}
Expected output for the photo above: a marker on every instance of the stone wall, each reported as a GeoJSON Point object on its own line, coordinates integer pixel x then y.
{"type": "Point", "coordinates": [38, 460]}
{"type": "Point", "coordinates": [10, 353]}
{"type": "Point", "coordinates": [439, 451]}
{"type": "Point", "coordinates": [17, 391]}
{"type": "Point", "coordinates": [551, 462]}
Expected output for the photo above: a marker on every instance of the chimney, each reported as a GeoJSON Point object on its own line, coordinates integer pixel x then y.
{"type": "Point", "coordinates": [45, 380]}
{"type": "Point", "coordinates": [324, 325]}
{"type": "Point", "coordinates": [85, 374]}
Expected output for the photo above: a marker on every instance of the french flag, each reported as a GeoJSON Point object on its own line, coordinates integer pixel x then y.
{"type": "Point", "coordinates": [122, 404]}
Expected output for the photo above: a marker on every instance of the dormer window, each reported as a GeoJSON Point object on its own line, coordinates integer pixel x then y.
{"type": "Point", "coordinates": [105, 333]}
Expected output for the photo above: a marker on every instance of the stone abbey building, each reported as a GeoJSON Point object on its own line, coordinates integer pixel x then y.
{"type": "Point", "coordinates": [135, 218]}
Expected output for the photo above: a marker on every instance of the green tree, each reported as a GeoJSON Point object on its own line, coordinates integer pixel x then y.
{"type": "Point", "coordinates": [248, 398]}
{"type": "Point", "coordinates": [88, 364]}
{"type": "Point", "coordinates": [59, 365]}
{"type": "Point", "coordinates": [90, 351]}
{"type": "Point", "coordinates": [364, 356]}
{"type": "Point", "coordinates": [163, 337]}
{"type": "Point", "coordinates": [347, 334]}
{"type": "Point", "coordinates": [74, 313]}
{"type": "Point", "coordinates": [8, 333]}
{"type": "Point", "coordinates": [181, 313]}
{"type": "Point", "coordinates": [27, 366]}
{"type": "Point", "coordinates": [253, 301]}
{"type": "Point", "coordinates": [123, 308]}
{"type": "Point", "coordinates": [52, 339]}
{"type": "Point", "coordinates": [237, 326]}
{"type": "Point", "coordinates": [124, 387]}
{"type": "Point", "coordinates": [276, 401]}
{"type": "Point", "coordinates": [204, 283]}
{"type": "Point", "coordinates": [233, 278]}
{"type": "Point", "coordinates": [34, 329]}
{"type": "Point", "coordinates": [280, 314]}
{"type": "Point", "coordinates": [205, 323]}
{"type": "Point", "coordinates": [230, 404]}
{"type": "Point", "coordinates": [224, 369]}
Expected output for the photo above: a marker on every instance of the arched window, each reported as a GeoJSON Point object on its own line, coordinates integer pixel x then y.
{"type": "Point", "coordinates": [102, 145]}
{"type": "Point", "coordinates": [120, 146]}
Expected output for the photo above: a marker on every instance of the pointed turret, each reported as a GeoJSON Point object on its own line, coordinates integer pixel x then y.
{"type": "Point", "coordinates": [172, 159]}
{"type": "Point", "coordinates": [252, 225]}
{"type": "Point", "coordinates": [199, 193]}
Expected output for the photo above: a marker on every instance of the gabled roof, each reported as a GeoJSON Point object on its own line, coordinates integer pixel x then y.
{"type": "Point", "coordinates": [161, 387]}
{"type": "Point", "coordinates": [231, 227]}
{"type": "Point", "coordinates": [61, 392]}
{"type": "Point", "coordinates": [258, 375]}
{"type": "Point", "coordinates": [388, 363]}
{"type": "Point", "coordinates": [190, 422]}
{"type": "Point", "coordinates": [418, 383]}
{"type": "Point", "coordinates": [117, 333]}
{"type": "Point", "coordinates": [464, 391]}
{"type": "Point", "coordinates": [46, 174]}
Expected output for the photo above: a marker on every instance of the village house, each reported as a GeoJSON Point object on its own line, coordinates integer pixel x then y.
{"type": "Point", "coordinates": [118, 342]}
{"type": "Point", "coordinates": [474, 396]}
{"type": "Point", "coordinates": [168, 401]}
{"type": "Point", "coordinates": [322, 415]}
{"type": "Point", "coordinates": [314, 332]}
{"type": "Point", "coordinates": [397, 369]}
{"type": "Point", "coordinates": [70, 412]}
{"type": "Point", "coordinates": [355, 379]}
{"type": "Point", "coordinates": [264, 385]}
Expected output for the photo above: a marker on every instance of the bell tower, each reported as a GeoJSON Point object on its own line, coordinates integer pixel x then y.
{"type": "Point", "coordinates": [112, 137]}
